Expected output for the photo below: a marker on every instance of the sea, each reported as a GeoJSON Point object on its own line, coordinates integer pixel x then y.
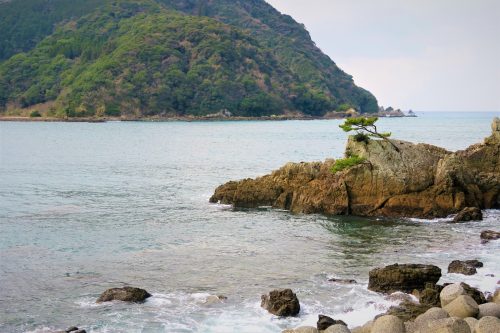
{"type": "Point", "coordinates": [90, 206]}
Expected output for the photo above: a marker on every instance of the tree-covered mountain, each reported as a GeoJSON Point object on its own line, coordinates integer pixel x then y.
{"type": "Point", "coordinates": [84, 58]}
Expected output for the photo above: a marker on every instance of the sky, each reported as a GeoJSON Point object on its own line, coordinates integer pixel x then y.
{"type": "Point", "coordinates": [425, 55]}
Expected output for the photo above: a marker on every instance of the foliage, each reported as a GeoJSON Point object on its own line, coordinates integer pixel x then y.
{"type": "Point", "coordinates": [365, 124]}
{"type": "Point", "coordinates": [346, 163]}
{"type": "Point", "coordinates": [361, 137]}
{"type": "Point", "coordinates": [35, 114]}
{"type": "Point", "coordinates": [124, 57]}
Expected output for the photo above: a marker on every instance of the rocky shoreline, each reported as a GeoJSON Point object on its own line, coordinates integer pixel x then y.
{"type": "Point", "coordinates": [395, 179]}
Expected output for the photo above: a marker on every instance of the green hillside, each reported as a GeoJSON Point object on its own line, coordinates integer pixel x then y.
{"type": "Point", "coordinates": [165, 57]}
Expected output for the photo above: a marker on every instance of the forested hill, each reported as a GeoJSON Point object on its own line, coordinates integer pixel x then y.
{"type": "Point", "coordinates": [85, 58]}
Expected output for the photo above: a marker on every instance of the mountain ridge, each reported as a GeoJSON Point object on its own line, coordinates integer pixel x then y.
{"type": "Point", "coordinates": [188, 57]}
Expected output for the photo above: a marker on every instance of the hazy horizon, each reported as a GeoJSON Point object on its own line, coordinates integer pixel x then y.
{"type": "Point", "coordinates": [425, 55]}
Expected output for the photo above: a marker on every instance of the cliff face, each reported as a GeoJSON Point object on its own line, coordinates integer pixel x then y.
{"type": "Point", "coordinates": [419, 180]}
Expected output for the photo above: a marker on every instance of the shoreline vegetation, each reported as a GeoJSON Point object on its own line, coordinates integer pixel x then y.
{"type": "Point", "coordinates": [331, 115]}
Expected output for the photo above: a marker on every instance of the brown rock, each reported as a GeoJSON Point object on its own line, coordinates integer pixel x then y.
{"type": "Point", "coordinates": [324, 322]}
{"type": "Point", "coordinates": [462, 307]}
{"type": "Point", "coordinates": [407, 310]}
{"type": "Point", "coordinates": [125, 294]}
{"type": "Point", "coordinates": [488, 235]}
{"type": "Point", "coordinates": [281, 302]}
{"type": "Point", "coordinates": [463, 267]}
{"type": "Point", "coordinates": [404, 278]}
{"type": "Point", "coordinates": [468, 214]}
{"type": "Point", "coordinates": [414, 180]}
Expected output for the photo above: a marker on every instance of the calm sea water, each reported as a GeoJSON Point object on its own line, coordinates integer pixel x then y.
{"type": "Point", "coordinates": [85, 207]}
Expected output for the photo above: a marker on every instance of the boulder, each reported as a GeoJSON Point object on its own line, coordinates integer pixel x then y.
{"type": "Point", "coordinates": [125, 294]}
{"type": "Point", "coordinates": [343, 281]}
{"type": "Point", "coordinates": [488, 235]}
{"type": "Point", "coordinates": [472, 322]}
{"type": "Point", "coordinates": [489, 309]}
{"type": "Point", "coordinates": [430, 297]}
{"type": "Point", "coordinates": [403, 278]}
{"type": "Point", "coordinates": [461, 267]}
{"type": "Point", "coordinates": [488, 325]}
{"type": "Point", "coordinates": [281, 302]}
{"type": "Point", "coordinates": [468, 214]}
{"type": "Point", "coordinates": [324, 322]}
{"type": "Point", "coordinates": [450, 292]}
{"type": "Point", "coordinates": [366, 328]}
{"type": "Point", "coordinates": [387, 324]}
{"type": "Point", "coordinates": [462, 307]}
{"type": "Point", "coordinates": [496, 296]}
{"type": "Point", "coordinates": [446, 325]}
{"type": "Point", "coordinates": [338, 328]}
{"type": "Point", "coordinates": [397, 179]}
{"type": "Point", "coordinates": [430, 315]}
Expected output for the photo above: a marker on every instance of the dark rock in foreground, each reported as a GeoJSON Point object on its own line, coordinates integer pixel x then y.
{"type": "Point", "coordinates": [408, 310]}
{"type": "Point", "coordinates": [281, 302]}
{"type": "Point", "coordinates": [467, 267]}
{"type": "Point", "coordinates": [324, 322]}
{"type": "Point", "coordinates": [469, 214]}
{"type": "Point", "coordinates": [404, 278]}
{"type": "Point", "coordinates": [488, 235]}
{"type": "Point", "coordinates": [125, 294]}
{"type": "Point", "coordinates": [414, 180]}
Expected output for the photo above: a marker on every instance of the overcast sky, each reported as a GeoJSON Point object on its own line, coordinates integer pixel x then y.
{"type": "Point", "coordinates": [426, 55]}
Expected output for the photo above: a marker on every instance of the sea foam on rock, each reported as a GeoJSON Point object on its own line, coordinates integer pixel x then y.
{"type": "Point", "coordinates": [414, 180]}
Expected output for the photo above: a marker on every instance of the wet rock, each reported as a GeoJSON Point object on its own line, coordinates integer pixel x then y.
{"type": "Point", "coordinates": [489, 309]}
{"type": "Point", "coordinates": [324, 322]}
{"type": "Point", "coordinates": [343, 281]}
{"type": "Point", "coordinates": [71, 329]}
{"type": "Point", "coordinates": [125, 294]}
{"type": "Point", "coordinates": [488, 325]}
{"type": "Point", "coordinates": [475, 293]}
{"type": "Point", "coordinates": [472, 322]}
{"type": "Point", "coordinates": [387, 324]}
{"type": "Point", "coordinates": [450, 292]}
{"type": "Point", "coordinates": [462, 307]}
{"type": "Point", "coordinates": [469, 214]}
{"type": "Point", "coordinates": [488, 235]}
{"type": "Point", "coordinates": [430, 296]}
{"type": "Point", "coordinates": [338, 328]}
{"type": "Point", "coordinates": [408, 310]}
{"type": "Point", "coordinates": [281, 302]}
{"type": "Point", "coordinates": [404, 278]}
{"type": "Point", "coordinates": [463, 267]}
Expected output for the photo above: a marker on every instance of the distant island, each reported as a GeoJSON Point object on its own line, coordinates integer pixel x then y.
{"type": "Point", "coordinates": [165, 59]}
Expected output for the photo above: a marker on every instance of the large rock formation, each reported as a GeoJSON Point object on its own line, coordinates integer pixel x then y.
{"type": "Point", "coordinates": [414, 180]}
{"type": "Point", "coordinates": [404, 278]}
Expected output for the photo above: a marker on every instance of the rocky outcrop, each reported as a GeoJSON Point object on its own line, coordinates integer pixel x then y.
{"type": "Point", "coordinates": [467, 267]}
{"type": "Point", "coordinates": [404, 278]}
{"type": "Point", "coordinates": [281, 302]}
{"type": "Point", "coordinates": [412, 180]}
{"type": "Point", "coordinates": [125, 294]}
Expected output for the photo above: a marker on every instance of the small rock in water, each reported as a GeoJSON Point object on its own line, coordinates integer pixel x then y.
{"type": "Point", "coordinates": [324, 322]}
{"type": "Point", "coordinates": [464, 267]}
{"type": "Point", "coordinates": [125, 294]}
{"type": "Point", "coordinates": [488, 235]}
{"type": "Point", "coordinates": [281, 302]}
{"type": "Point", "coordinates": [469, 214]}
{"type": "Point", "coordinates": [343, 281]}
{"type": "Point", "coordinates": [71, 329]}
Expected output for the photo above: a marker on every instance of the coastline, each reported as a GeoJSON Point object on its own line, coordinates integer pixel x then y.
{"type": "Point", "coordinates": [181, 118]}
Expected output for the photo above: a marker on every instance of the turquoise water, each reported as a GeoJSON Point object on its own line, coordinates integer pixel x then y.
{"type": "Point", "coordinates": [85, 207]}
